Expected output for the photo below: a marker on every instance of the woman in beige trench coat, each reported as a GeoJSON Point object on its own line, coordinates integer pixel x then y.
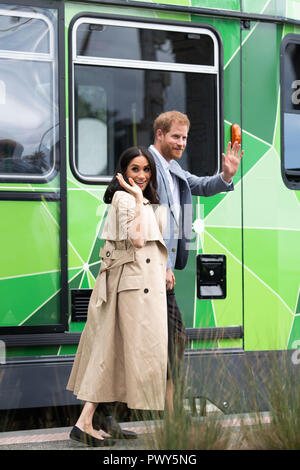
{"type": "Point", "coordinates": [122, 354]}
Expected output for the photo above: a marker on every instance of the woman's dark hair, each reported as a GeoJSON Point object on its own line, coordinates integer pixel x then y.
{"type": "Point", "coordinates": [151, 190]}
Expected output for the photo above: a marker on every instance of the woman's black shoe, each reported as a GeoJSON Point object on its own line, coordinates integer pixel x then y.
{"type": "Point", "coordinates": [112, 427]}
{"type": "Point", "coordinates": [81, 436]}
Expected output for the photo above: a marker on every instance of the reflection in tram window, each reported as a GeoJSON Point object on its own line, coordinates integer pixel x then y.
{"type": "Point", "coordinates": [24, 34]}
{"type": "Point", "coordinates": [124, 75]}
{"type": "Point", "coordinates": [98, 40]}
{"type": "Point", "coordinates": [28, 100]}
{"type": "Point", "coordinates": [115, 108]}
{"type": "Point", "coordinates": [91, 122]}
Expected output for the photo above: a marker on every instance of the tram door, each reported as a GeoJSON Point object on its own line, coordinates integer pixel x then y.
{"type": "Point", "coordinates": [271, 186]}
{"type": "Point", "coordinates": [30, 190]}
{"type": "Point", "coordinates": [124, 74]}
{"type": "Point", "coordinates": [212, 304]}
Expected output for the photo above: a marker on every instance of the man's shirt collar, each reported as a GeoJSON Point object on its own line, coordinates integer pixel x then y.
{"type": "Point", "coordinates": [163, 161]}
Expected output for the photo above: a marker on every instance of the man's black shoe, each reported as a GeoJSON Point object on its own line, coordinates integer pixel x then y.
{"type": "Point", "coordinates": [78, 435]}
{"type": "Point", "coordinates": [112, 427]}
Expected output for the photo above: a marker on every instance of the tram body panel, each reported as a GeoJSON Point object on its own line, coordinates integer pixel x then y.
{"type": "Point", "coordinates": [94, 77]}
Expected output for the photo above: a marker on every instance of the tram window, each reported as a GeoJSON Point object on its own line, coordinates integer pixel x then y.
{"type": "Point", "coordinates": [99, 40]}
{"type": "Point", "coordinates": [91, 121]}
{"type": "Point", "coordinates": [116, 99]}
{"type": "Point", "coordinates": [290, 109]}
{"type": "Point", "coordinates": [28, 96]}
{"type": "Point", "coordinates": [24, 34]}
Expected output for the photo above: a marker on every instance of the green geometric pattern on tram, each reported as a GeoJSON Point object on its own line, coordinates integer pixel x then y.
{"type": "Point", "coordinates": [49, 313]}
{"type": "Point", "coordinates": [178, 16]}
{"type": "Point", "coordinates": [227, 311]}
{"type": "Point", "coordinates": [272, 227]}
{"type": "Point", "coordinates": [227, 214]}
{"type": "Point", "coordinates": [210, 203]}
{"type": "Point", "coordinates": [229, 5]}
{"type": "Point", "coordinates": [278, 206]}
{"type": "Point", "coordinates": [230, 34]}
{"type": "Point", "coordinates": [85, 282]}
{"type": "Point", "coordinates": [295, 333]}
{"type": "Point", "coordinates": [73, 272]}
{"type": "Point", "coordinates": [94, 261]}
{"type": "Point", "coordinates": [266, 7]}
{"type": "Point", "coordinates": [94, 269]}
{"type": "Point", "coordinates": [82, 212]}
{"type": "Point", "coordinates": [21, 296]}
{"type": "Point", "coordinates": [34, 236]}
{"type": "Point", "coordinates": [268, 320]}
{"type": "Point", "coordinates": [53, 208]}
{"type": "Point", "coordinates": [268, 251]}
{"type": "Point", "coordinates": [230, 238]}
{"type": "Point", "coordinates": [232, 73]}
{"type": "Point", "coordinates": [268, 307]}
{"type": "Point", "coordinates": [185, 3]}
{"type": "Point", "coordinates": [293, 11]}
{"type": "Point", "coordinates": [266, 267]}
{"type": "Point", "coordinates": [259, 91]}
{"type": "Point", "coordinates": [271, 211]}
{"type": "Point", "coordinates": [205, 314]}
{"type": "Point", "coordinates": [75, 282]}
{"type": "Point", "coordinates": [91, 279]}
{"type": "Point", "coordinates": [258, 150]}
{"type": "Point", "coordinates": [99, 243]}
{"type": "Point", "coordinates": [298, 306]}
{"type": "Point", "coordinates": [73, 257]}
{"type": "Point", "coordinates": [72, 9]}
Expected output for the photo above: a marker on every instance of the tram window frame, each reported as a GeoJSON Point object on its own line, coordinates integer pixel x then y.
{"type": "Point", "coordinates": [289, 91]}
{"type": "Point", "coordinates": [216, 69]}
{"type": "Point", "coordinates": [51, 57]}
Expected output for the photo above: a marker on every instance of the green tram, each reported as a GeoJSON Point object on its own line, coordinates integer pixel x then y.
{"type": "Point", "coordinates": [81, 81]}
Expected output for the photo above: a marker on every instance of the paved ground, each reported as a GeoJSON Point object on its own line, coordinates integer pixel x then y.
{"type": "Point", "coordinates": [58, 439]}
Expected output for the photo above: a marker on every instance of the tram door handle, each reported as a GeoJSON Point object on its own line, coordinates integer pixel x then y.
{"type": "Point", "coordinates": [211, 276]}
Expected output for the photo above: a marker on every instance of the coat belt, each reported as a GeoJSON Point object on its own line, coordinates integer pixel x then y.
{"type": "Point", "coordinates": [115, 258]}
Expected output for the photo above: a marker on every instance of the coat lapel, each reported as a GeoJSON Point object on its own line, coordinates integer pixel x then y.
{"type": "Point", "coordinates": [177, 170]}
{"type": "Point", "coordinates": [166, 186]}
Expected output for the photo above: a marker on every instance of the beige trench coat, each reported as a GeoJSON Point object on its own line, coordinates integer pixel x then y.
{"type": "Point", "coordinates": [122, 354]}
